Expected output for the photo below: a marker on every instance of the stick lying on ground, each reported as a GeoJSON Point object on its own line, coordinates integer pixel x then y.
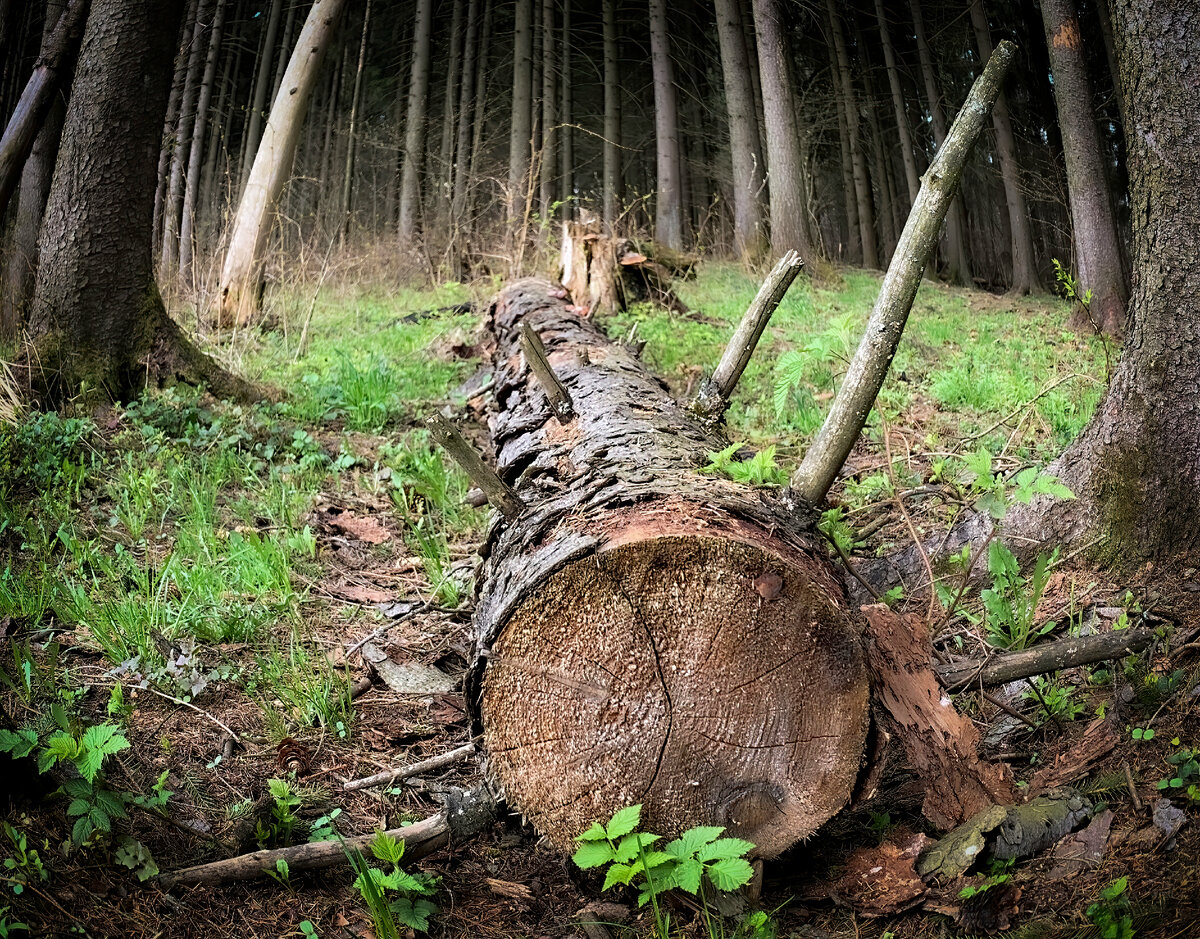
{"type": "Point", "coordinates": [466, 814]}
{"type": "Point", "coordinates": [413, 769]}
{"type": "Point", "coordinates": [868, 368]}
{"type": "Point", "coordinates": [1043, 658]}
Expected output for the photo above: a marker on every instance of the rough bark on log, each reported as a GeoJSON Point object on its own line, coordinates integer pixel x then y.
{"type": "Point", "coordinates": [605, 274]}
{"type": "Point", "coordinates": [647, 633]}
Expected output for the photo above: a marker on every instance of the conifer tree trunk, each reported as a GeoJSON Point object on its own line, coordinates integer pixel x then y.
{"type": "Point", "coordinates": [173, 204]}
{"type": "Point", "coordinates": [285, 50]}
{"type": "Point", "coordinates": [414, 123]}
{"type": "Point", "coordinates": [170, 125]}
{"type": "Point", "coordinates": [352, 138]}
{"type": "Point", "coordinates": [187, 238]}
{"type": "Point", "coordinates": [1098, 254]}
{"type": "Point", "coordinates": [957, 264]}
{"type": "Point", "coordinates": [222, 120]}
{"type": "Point", "coordinates": [241, 276]}
{"type": "Point", "coordinates": [611, 196]}
{"type": "Point", "coordinates": [1024, 269]}
{"type": "Point", "coordinates": [454, 67]}
{"type": "Point", "coordinates": [21, 260]}
{"type": "Point", "coordinates": [858, 162]}
{"type": "Point", "coordinates": [521, 126]}
{"type": "Point", "coordinates": [262, 84]}
{"type": "Point", "coordinates": [549, 115]}
{"type": "Point", "coordinates": [463, 152]}
{"type": "Point", "coordinates": [911, 176]}
{"type": "Point", "coordinates": [566, 132]}
{"type": "Point", "coordinates": [853, 246]}
{"type": "Point", "coordinates": [668, 211]}
{"type": "Point", "coordinates": [479, 123]}
{"type": "Point", "coordinates": [745, 150]}
{"type": "Point", "coordinates": [783, 147]}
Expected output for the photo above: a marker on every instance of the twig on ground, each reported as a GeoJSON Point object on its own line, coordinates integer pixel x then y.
{"type": "Point", "coordinates": [1133, 793]}
{"type": "Point", "coordinates": [412, 769]}
{"type": "Point", "coordinates": [200, 711]}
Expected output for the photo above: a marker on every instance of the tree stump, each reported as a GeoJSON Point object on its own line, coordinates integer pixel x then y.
{"type": "Point", "coordinates": [648, 633]}
{"type": "Point", "coordinates": [606, 274]}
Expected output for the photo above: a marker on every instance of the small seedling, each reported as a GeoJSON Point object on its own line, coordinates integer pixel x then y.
{"type": "Point", "coordinates": [1111, 915]}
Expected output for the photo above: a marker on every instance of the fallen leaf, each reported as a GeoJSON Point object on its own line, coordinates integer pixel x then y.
{"type": "Point", "coordinates": [407, 677]}
{"type": "Point", "coordinates": [357, 593]}
{"type": "Point", "coordinates": [363, 528]}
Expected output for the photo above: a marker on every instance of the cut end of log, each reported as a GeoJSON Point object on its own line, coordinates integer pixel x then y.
{"type": "Point", "coordinates": [712, 676]}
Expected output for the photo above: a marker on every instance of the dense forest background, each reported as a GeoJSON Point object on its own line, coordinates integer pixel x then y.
{"type": "Point", "coordinates": [441, 137]}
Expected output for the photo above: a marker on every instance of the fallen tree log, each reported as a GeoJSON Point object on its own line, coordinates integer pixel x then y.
{"type": "Point", "coordinates": [648, 633]}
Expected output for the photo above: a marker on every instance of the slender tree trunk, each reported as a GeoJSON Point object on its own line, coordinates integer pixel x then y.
{"type": "Point", "coordinates": [668, 212]}
{"type": "Point", "coordinates": [461, 182]}
{"type": "Point", "coordinates": [566, 132]}
{"type": "Point", "coordinates": [612, 118]}
{"type": "Point", "coordinates": [1110, 52]}
{"type": "Point", "coordinates": [853, 243]}
{"type": "Point", "coordinates": [454, 68]}
{"type": "Point", "coordinates": [169, 128]}
{"type": "Point", "coordinates": [783, 147]}
{"type": "Point", "coordinates": [549, 115]}
{"type": "Point", "coordinates": [352, 141]}
{"type": "Point", "coordinates": [1095, 229]}
{"type": "Point", "coordinates": [745, 149]}
{"type": "Point", "coordinates": [241, 276]}
{"type": "Point", "coordinates": [187, 241]}
{"type": "Point", "coordinates": [521, 129]}
{"type": "Point", "coordinates": [1024, 269]}
{"type": "Point", "coordinates": [481, 90]}
{"type": "Point", "coordinates": [218, 140]}
{"type": "Point", "coordinates": [261, 85]}
{"type": "Point", "coordinates": [957, 265]}
{"type": "Point", "coordinates": [285, 50]}
{"type": "Point", "coordinates": [858, 162]}
{"type": "Point", "coordinates": [414, 123]}
{"type": "Point", "coordinates": [911, 176]}
{"type": "Point", "coordinates": [173, 205]}
{"type": "Point", "coordinates": [20, 265]}
{"type": "Point", "coordinates": [97, 316]}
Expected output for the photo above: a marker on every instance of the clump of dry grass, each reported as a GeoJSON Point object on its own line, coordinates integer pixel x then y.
{"type": "Point", "coordinates": [10, 395]}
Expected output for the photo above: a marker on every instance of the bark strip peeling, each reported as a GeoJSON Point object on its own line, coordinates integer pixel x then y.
{"type": "Point", "coordinates": [648, 633]}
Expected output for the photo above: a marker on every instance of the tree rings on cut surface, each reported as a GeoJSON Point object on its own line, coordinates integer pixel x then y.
{"type": "Point", "coordinates": [708, 672]}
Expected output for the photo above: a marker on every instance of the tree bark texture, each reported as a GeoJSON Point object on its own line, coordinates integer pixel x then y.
{"type": "Point", "coordinates": [20, 264]}
{"type": "Point", "coordinates": [175, 103]}
{"type": "Point", "coordinates": [566, 139]}
{"type": "Point", "coordinates": [414, 124]}
{"type": "Point", "coordinates": [1024, 268]}
{"type": "Point", "coordinates": [347, 203]}
{"type": "Point", "coordinates": [96, 315]}
{"type": "Point", "coordinates": [240, 278]}
{"type": "Point", "coordinates": [783, 148]}
{"type": "Point", "coordinates": [648, 633]}
{"type": "Point", "coordinates": [262, 84]}
{"type": "Point", "coordinates": [611, 190]}
{"type": "Point", "coordinates": [1098, 255]}
{"type": "Point", "coordinates": [668, 203]}
{"type": "Point", "coordinates": [521, 126]}
{"type": "Point", "coordinates": [455, 65]}
{"type": "Point", "coordinates": [745, 150]}
{"type": "Point", "coordinates": [26, 120]}
{"type": "Point", "coordinates": [911, 176]}
{"type": "Point", "coordinates": [549, 156]}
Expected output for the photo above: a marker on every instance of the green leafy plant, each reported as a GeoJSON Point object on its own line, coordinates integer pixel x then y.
{"type": "Point", "coordinates": [278, 831]}
{"type": "Point", "coordinates": [136, 856]}
{"type": "Point", "coordinates": [1142, 733]}
{"type": "Point", "coordinates": [698, 856]}
{"type": "Point", "coordinates": [394, 894]}
{"type": "Point", "coordinates": [1111, 914]}
{"type": "Point", "coordinates": [9, 927]}
{"type": "Point", "coordinates": [1186, 763]}
{"type": "Point", "coordinates": [325, 827]}
{"type": "Point", "coordinates": [759, 470]}
{"type": "Point", "coordinates": [1011, 602]}
{"type": "Point", "coordinates": [1055, 699]}
{"type": "Point", "coordinates": [25, 865]}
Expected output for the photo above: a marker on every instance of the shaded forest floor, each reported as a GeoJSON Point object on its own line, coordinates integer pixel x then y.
{"type": "Point", "coordinates": [185, 550]}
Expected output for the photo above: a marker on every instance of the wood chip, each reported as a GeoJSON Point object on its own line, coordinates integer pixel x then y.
{"type": "Point", "coordinates": [407, 677]}
{"type": "Point", "coordinates": [364, 528]}
{"type": "Point", "coordinates": [506, 888]}
{"type": "Point", "coordinates": [1096, 743]}
{"type": "Point", "coordinates": [882, 881]}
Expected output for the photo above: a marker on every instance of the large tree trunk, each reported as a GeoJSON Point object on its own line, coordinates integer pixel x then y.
{"type": "Point", "coordinates": [414, 125]}
{"type": "Point", "coordinates": [958, 268]}
{"type": "Point", "coordinates": [1024, 270]}
{"type": "Point", "coordinates": [97, 316]}
{"type": "Point", "coordinates": [1135, 469]}
{"type": "Point", "coordinates": [668, 203]}
{"type": "Point", "coordinates": [785, 170]}
{"type": "Point", "coordinates": [20, 266]}
{"type": "Point", "coordinates": [647, 633]}
{"type": "Point", "coordinates": [1098, 254]}
{"type": "Point", "coordinates": [749, 237]}
{"type": "Point", "coordinates": [242, 274]}
{"type": "Point", "coordinates": [611, 185]}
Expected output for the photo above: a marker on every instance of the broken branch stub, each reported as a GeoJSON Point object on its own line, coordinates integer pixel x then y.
{"type": "Point", "coordinates": [715, 392]}
{"type": "Point", "coordinates": [498, 492]}
{"type": "Point", "coordinates": [556, 391]}
{"type": "Point", "coordinates": [871, 361]}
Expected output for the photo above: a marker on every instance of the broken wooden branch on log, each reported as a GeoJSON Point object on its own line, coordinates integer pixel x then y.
{"type": "Point", "coordinates": [712, 399]}
{"type": "Point", "coordinates": [498, 492]}
{"type": "Point", "coordinates": [1043, 658]}
{"type": "Point", "coordinates": [465, 814]}
{"type": "Point", "coordinates": [873, 358]}
{"type": "Point", "coordinates": [647, 633]}
{"type": "Point", "coordinates": [556, 391]}
{"type": "Point", "coordinates": [441, 761]}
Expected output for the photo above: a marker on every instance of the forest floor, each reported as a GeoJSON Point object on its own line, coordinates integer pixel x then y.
{"type": "Point", "coordinates": [183, 568]}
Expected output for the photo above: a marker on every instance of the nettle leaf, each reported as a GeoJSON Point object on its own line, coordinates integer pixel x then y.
{"type": "Point", "coordinates": [730, 873]}
{"type": "Point", "coordinates": [725, 848]}
{"type": "Point", "coordinates": [414, 913]}
{"type": "Point", "coordinates": [19, 744]}
{"type": "Point", "coordinates": [386, 848]}
{"type": "Point", "coordinates": [687, 875]}
{"type": "Point", "coordinates": [618, 874]}
{"type": "Point", "coordinates": [632, 845]}
{"type": "Point", "coordinates": [623, 822]}
{"type": "Point", "coordinates": [592, 854]}
{"type": "Point", "coordinates": [692, 840]}
{"type": "Point", "coordinates": [595, 833]}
